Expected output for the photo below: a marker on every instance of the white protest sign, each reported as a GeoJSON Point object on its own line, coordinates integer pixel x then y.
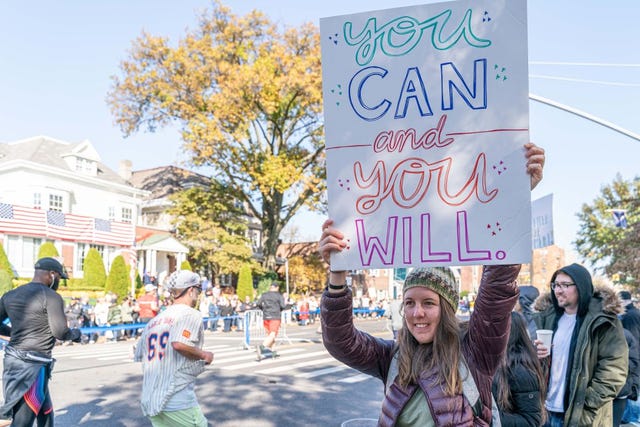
{"type": "Point", "coordinates": [426, 115]}
{"type": "Point", "coordinates": [542, 222]}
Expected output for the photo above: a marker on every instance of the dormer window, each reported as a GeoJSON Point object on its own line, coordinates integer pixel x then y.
{"type": "Point", "coordinates": [84, 165]}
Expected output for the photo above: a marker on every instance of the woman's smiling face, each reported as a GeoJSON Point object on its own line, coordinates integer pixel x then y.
{"type": "Point", "coordinates": [422, 313]}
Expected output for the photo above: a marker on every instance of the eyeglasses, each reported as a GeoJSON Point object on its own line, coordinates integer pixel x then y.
{"type": "Point", "coordinates": [561, 286]}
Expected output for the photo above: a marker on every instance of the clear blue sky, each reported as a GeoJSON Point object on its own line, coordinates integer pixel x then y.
{"type": "Point", "coordinates": [57, 59]}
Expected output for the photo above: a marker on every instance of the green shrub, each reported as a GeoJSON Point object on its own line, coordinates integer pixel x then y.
{"type": "Point", "coordinates": [245, 283]}
{"type": "Point", "coordinates": [138, 282]}
{"type": "Point", "coordinates": [76, 284]}
{"type": "Point", "coordinates": [95, 275]}
{"type": "Point", "coordinates": [48, 249]}
{"type": "Point", "coordinates": [6, 281]}
{"type": "Point", "coordinates": [118, 279]}
{"type": "Point", "coordinates": [5, 264]}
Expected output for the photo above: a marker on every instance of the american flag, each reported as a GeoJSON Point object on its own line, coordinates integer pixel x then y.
{"type": "Point", "coordinates": [21, 220]}
{"type": "Point", "coordinates": [113, 232]}
{"type": "Point", "coordinates": [68, 226]}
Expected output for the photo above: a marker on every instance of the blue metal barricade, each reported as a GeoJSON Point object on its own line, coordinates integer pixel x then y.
{"type": "Point", "coordinates": [254, 332]}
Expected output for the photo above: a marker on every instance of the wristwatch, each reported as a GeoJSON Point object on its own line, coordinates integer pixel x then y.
{"type": "Point", "coordinates": [338, 287]}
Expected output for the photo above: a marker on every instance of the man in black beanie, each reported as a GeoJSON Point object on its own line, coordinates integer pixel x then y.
{"type": "Point", "coordinates": [589, 353]}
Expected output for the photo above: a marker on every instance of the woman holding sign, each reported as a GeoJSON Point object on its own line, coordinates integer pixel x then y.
{"type": "Point", "coordinates": [435, 374]}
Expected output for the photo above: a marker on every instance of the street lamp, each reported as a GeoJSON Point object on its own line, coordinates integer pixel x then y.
{"type": "Point", "coordinates": [286, 274]}
{"type": "Point", "coordinates": [285, 261]}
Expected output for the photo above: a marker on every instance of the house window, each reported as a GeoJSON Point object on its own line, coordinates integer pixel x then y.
{"type": "Point", "coordinates": [99, 248]}
{"type": "Point", "coordinates": [84, 165]}
{"type": "Point", "coordinates": [82, 249]}
{"type": "Point", "coordinates": [126, 215]}
{"type": "Point", "coordinates": [81, 253]}
{"type": "Point", "coordinates": [254, 237]}
{"type": "Point", "coordinates": [22, 251]}
{"type": "Point", "coordinates": [37, 200]}
{"type": "Point", "coordinates": [55, 202]}
{"type": "Point", "coordinates": [112, 213]}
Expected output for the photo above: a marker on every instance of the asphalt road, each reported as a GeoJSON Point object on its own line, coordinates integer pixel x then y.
{"type": "Point", "coordinates": [99, 385]}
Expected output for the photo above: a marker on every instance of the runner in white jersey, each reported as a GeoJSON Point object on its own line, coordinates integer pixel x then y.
{"type": "Point", "coordinates": [170, 350]}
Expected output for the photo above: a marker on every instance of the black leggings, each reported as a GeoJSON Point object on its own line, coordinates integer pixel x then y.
{"type": "Point", "coordinates": [23, 416]}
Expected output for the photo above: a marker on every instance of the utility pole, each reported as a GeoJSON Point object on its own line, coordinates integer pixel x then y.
{"type": "Point", "coordinates": [584, 115]}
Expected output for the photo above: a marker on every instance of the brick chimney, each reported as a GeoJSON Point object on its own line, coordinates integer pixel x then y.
{"type": "Point", "coordinates": [124, 169]}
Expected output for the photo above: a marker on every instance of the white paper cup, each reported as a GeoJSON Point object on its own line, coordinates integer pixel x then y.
{"type": "Point", "coordinates": [545, 336]}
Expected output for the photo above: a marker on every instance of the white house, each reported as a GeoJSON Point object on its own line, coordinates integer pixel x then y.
{"type": "Point", "coordinates": [53, 190]}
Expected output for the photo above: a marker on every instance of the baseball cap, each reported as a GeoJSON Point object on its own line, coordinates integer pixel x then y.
{"type": "Point", "coordinates": [183, 279]}
{"type": "Point", "coordinates": [51, 264]}
{"type": "Point", "coordinates": [149, 287]}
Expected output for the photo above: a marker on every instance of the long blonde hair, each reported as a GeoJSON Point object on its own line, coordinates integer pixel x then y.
{"type": "Point", "coordinates": [444, 353]}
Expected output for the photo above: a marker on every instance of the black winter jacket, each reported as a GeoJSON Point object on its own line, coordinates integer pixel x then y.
{"type": "Point", "coordinates": [525, 399]}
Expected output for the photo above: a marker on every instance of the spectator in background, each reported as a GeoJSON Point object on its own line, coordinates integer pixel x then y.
{"type": "Point", "coordinates": [528, 295]}
{"type": "Point", "coordinates": [519, 385]}
{"type": "Point", "coordinates": [73, 312]}
{"type": "Point", "coordinates": [395, 316]}
{"type": "Point", "coordinates": [364, 305]}
{"type": "Point", "coordinates": [631, 317]}
{"type": "Point", "coordinates": [203, 307]}
{"type": "Point", "coordinates": [114, 317]}
{"type": "Point", "coordinates": [101, 311]}
{"type": "Point", "coordinates": [589, 354]}
{"type": "Point", "coordinates": [243, 306]}
{"type": "Point", "coordinates": [206, 284]}
{"type": "Point", "coordinates": [235, 304]}
{"type": "Point", "coordinates": [88, 319]}
{"type": "Point", "coordinates": [226, 312]}
{"type": "Point", "coordinates": [630, 389]}
{"type": "Point", "coordinates": [214, 313]}
{"type": "Point", "coordinates": [290, 313]}
{"type": "Point", "coordinates": [216, 291]}
{"type": "Point", "coordinates": [357, 306]}
{"type": "Point", "coordinates": [303, 311]}
{"type": "Point", "coordinates": [313, 308]}
{"type": "Point", "coordinates": [631, 321]}
{"type": "Point", "coordinates": [126, 311]}
{"type": "Point", "coordinates": [148, 303]}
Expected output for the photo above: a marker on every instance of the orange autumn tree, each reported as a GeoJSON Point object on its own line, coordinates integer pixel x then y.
{"type": "Point", "coordinates": [247, 97]}
{"type": "Point", "coordinates": [307, 275]}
